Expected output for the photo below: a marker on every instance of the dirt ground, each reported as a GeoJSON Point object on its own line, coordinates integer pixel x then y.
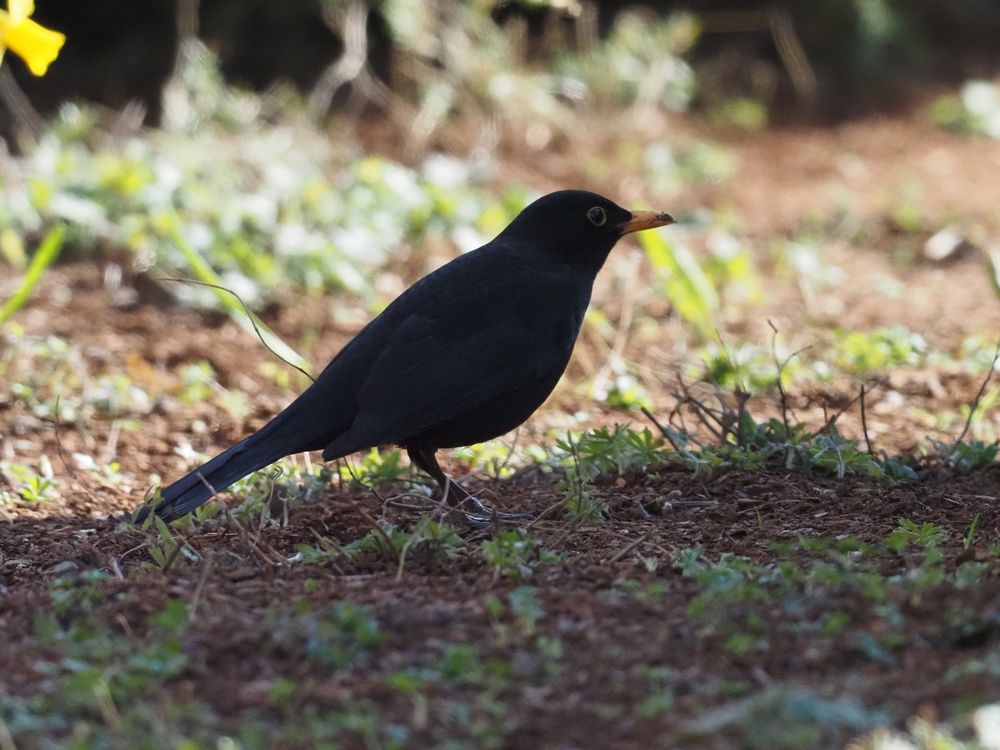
{"type": "Point", "coordinates": [625, 642]}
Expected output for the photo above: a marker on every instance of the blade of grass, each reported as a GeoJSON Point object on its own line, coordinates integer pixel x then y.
{"type": "Point", "coordinates": [44, 257]}
{"type": "Point", "coordinates": [993, 257]}
{"type": "Point", "coordinates": [243, 316]}
{"type": "Point", "coordinates": [683, 281]}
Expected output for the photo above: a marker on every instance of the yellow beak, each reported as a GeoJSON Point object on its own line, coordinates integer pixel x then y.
{"type": "Point", "coordinates": [647, 220]}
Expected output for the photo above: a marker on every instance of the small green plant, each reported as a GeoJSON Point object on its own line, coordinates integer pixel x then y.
{"type": "Point", "coordinates": [497, 458]}
{"type": "Point", "coordinates": [461, 665]}
{"type": "Point", "coordinates": [975, 111]}
{"type": "Point", "coordinates": [580, 504]}
{"type": "Point", "coordinates": [342, 637]}
{"type": "Point", "coordinates": [966, 457]}
{"type": "Point", "coordinates": [32, 485]}
{"type": "Point", "coordinates": [514, 554]}
{"type": "Point", "coordinates": [165, 546]}
{"type": "Point", "coordinates": [376, 469]}
{"type": "Point", "coordinates": [621, 389]}
{"type": "Point", "coordinates": [320, 553]}
{"type": "Point", "coordinates": [198, 382]}
{"type": "Point", "coordinates": [76, 594]}
{"type": "Point", "coordinates": [109, 474]}
{"type": "Point", "coordinates": [970, 535]}
{"type": "Point", "coordinates": [880, 350]}
{"type": "Point", "coordinates": [746, 368]}
{"type": "Point", "coordinates": [527, 610]}
{"type": "Point", "coordinates": [387, 542]}
{"type": "Point", "coordinates": [924, 536]}
{"type": "Point", "coordinates": [606, 450]}
{"type": "Point", "coordinates": [745, 442]}
{"type": "Point", "coordinates": [431, 542]}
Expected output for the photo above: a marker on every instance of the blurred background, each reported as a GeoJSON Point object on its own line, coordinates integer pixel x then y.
{"type": "Point", "coordinates": [833, 165]}
{"type": "Point", "coordinates": [809, 60]}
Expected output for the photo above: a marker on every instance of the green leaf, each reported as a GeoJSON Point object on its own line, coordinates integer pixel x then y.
{"type": "Point", "coordinates": [46, 255]}
{"type": "Point", "coordinates": [684, 282]}
{"type": "Point", "coordinates": [993, 258]}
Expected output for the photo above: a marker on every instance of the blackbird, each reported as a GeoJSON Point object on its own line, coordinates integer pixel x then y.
{"type": "Point", "coordinates": [465, 354]}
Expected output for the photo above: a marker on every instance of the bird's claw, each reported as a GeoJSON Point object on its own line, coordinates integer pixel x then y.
{"type": "Point", "coordinates": [483, 516]}
{"type": "Point", "coordinates": [478, 514]}
{"type": "Point", "coordinates": [486, 521]}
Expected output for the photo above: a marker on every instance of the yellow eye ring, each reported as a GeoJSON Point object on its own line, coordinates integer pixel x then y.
{"type": "Point", "coordinates": [597, 216]}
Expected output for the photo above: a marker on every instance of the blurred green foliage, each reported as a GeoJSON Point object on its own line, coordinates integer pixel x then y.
{"type": "Point", "coordinates": [268, 206]}
{"type": "Point", "coordinates": [976, 109]}
{"type": "Point", "coordinates": [640, 61]}
{"type": "Point", "coordinates": [438, 55]}
{"type": "Point", "coordinates": [883, 349]}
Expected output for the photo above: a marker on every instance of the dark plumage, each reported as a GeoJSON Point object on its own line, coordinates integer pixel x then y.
{"type": "Point", "coordinates": [464, 355]}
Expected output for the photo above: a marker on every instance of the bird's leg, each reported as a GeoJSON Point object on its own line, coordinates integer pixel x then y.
{"type": "Point", "coordinates": [423, 457]}
{"type": "Point", "coordinates": [470, 499]}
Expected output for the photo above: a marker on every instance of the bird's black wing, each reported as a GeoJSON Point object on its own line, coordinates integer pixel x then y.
{"type": "Point", "coordinates": [447, 358]}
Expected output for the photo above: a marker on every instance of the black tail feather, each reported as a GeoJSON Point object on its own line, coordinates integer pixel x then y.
{"type": "Point", "coordinates": [193, 490]}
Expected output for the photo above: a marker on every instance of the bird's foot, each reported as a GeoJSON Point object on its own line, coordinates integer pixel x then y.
{"type": "Point", "coordinates": [481, 515]}
{"type": "Point", "coordinates": [487, 521]}
{"type": "Point", "coordinates": [482, 511]}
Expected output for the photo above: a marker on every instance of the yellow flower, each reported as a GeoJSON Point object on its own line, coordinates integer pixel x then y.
{"type": "Point", "coordinates": [37, 45]}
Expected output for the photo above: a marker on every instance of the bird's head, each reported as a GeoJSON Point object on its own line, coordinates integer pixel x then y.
{"type": "Point", "coordinates": [579, 227]}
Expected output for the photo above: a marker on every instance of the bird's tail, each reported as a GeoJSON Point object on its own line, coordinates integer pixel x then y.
{"type": "Point", "coordinates": [264, 447]}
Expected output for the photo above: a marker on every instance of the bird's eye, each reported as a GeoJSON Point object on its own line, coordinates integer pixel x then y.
{"type": "Point", "coordinates": [597, 216]}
